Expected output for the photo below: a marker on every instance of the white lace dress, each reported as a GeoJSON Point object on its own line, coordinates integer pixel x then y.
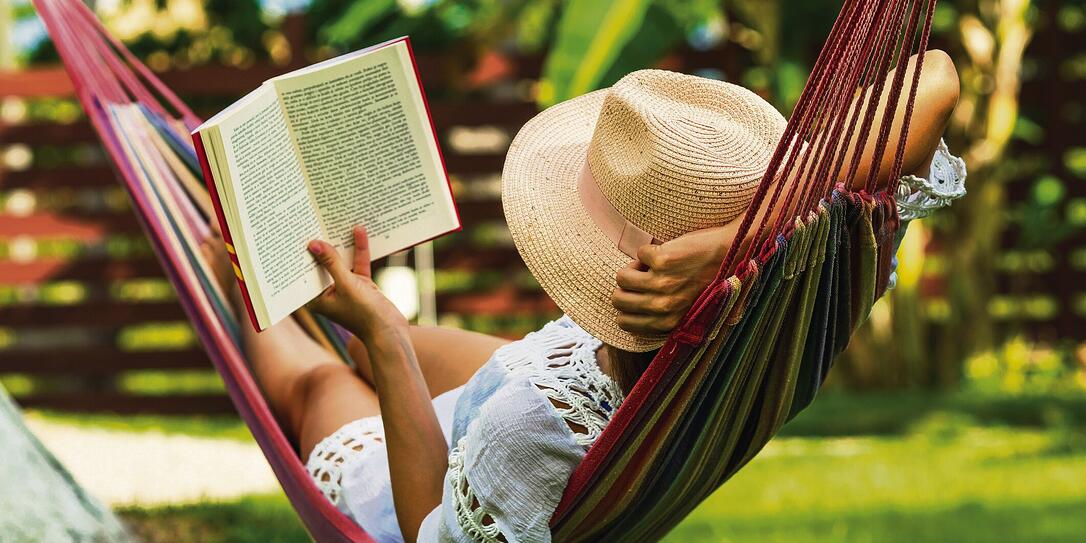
{"type": "Point", "coordinates": [516, 431]}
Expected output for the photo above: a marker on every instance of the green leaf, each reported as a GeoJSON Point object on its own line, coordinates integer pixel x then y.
{"type": "Point", "coordinates": [591, 35]}
{"type": "Point", "coordinates": [658, 34]}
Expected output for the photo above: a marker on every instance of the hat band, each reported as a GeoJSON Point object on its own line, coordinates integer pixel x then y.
{"type": "Point", "coordinates": [627, 236]}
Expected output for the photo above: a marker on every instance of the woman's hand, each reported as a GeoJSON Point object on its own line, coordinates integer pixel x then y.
{"type": "Point", "coordinates": [354, 300]}
{"type": "Point", "coordinates": [417, 455]}
{"type": "Point", "coordinates": [656, 290]}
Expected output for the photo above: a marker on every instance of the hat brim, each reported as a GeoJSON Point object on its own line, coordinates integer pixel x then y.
{"type": "Point", "coordinates": [573, 260]}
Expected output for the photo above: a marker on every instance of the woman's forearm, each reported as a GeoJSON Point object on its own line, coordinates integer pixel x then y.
{"type": "Point", "coordinates": [417, 455]}
{"type": "Point", "coordinates": [936, 96]}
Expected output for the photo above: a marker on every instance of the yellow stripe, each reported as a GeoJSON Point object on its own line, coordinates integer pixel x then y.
{"type": "Point", "coordinates": [237, 271]}
{"type": "Point", "coordinates": [230, 249]}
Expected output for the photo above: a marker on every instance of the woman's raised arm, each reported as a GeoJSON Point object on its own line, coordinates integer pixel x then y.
{"type": "Point", "coordinates": [656, 290]}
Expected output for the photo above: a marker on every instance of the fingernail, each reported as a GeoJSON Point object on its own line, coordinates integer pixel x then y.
{"type": "Point", "coordinates": [315, 247]}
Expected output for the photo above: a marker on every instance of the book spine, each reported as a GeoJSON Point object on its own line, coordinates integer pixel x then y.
{"type": "Point", "coordinates": [210, 182]}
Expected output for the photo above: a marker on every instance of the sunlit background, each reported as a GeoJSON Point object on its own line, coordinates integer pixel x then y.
{"type": "Point", "coordinates": [958, 412]}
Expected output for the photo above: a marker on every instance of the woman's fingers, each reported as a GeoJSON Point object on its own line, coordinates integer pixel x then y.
{"type": "Point", "coordinates": [632, 278]}
{"type": "Point", "coordinates": [361, 251]}
{"type": "Point", "coordinates": [652, 256]}
{"type": "Point", "coordinates": [646, 324]}
{"type": "Point", "coordinates": [328, 258]}
{"type": "Point", "coordinates": [638, 303]}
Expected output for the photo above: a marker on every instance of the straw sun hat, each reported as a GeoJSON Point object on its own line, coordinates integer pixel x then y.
{"type": "Point", "coordinates": [660, 154]}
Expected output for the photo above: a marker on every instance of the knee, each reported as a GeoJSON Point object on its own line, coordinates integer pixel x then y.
{"type": "Point", "coordinates": [308, 386]}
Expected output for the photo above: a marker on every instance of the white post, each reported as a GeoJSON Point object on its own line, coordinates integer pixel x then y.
{"type": "Point", "coordinates": [424, 270]}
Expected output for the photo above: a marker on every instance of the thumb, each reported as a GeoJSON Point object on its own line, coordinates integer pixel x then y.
{"type": "Point", "coordinates": [329, 259]}
{"type": "Point", "coordinates": [361, 252]}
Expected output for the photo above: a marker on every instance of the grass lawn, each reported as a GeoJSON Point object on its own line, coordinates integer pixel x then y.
{"type": "Point", "coordinates": [984, 484]}
{"type": "Point", "coordinates": [953, 473]}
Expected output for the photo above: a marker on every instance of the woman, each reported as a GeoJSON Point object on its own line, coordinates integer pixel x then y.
{"type": "Point", "coordinates": [621, 202]}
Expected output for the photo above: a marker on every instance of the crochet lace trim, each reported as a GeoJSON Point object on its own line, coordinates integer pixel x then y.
{"type": "Point", "coordinates": [560, 360]}
{"type": "Point", "coordinates": [470, 515]}
{"type": "Point", "coordinates": [353, 440]}
{"type": "Point", "coordinates": [918, 197]}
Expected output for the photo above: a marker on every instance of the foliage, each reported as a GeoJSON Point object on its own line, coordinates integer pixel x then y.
{"type": "Point", "coordinates": [184, 32]}
{"type": "Point", "coordinates": [462, 25]}
{"type": "Point", "coordinates": [590, 44]}
{"type": "Point", "coordinates": [590, 37]}
{"type": "Point", "coordinates": [896, 413]}
{"type": "Point", "coordinates": [1022, 367]}
{"type": "Point", "coordinates": [599, 42]}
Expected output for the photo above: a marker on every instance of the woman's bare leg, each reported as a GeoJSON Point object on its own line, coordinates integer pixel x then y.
{"type": "Point", "coordinates": [447, 357]}
{"type": "Point", "coordinates": [311, 392]}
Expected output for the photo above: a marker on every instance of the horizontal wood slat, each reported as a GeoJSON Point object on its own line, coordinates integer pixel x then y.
{"type": "Point", "coordinates": [106, 402]}
{"type": "Point", "coordinates": [92, 268]}
{"type": "Point", "coordinates": [218, 80]}
{"type": "Point", "coordinates": [76, 224]}
{"type": "Point", "coordinates": [100, 176]}
{"type": "Point", "coordinates": [69, 176]}
{"type": "Point", "coordinates": [445, 115]}
{"type": "Point", "coordinates": [100, 313]}
{"type": "Point", "coordinates": [499, 303]}
{"type": "Point", "coordinates": [98, 361]}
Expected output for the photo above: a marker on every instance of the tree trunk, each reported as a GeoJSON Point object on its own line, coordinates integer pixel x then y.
{"type": "Point", "coordinates": [39, 500]}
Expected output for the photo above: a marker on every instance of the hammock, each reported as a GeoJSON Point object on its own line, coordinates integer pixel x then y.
{"type": "Point", "coordinates": [750, 354]}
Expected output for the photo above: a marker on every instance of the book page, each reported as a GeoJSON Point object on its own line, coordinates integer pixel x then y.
{"type": "Point", "coordinates": [368, 150]}
{"type": "Point", "coordinates": [274, 208]}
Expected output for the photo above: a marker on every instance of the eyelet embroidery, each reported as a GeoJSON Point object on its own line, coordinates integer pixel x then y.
{"type": "Point", "coordinates": [470, 515]}
{"type": "Point", "coordinates": [354, 440]}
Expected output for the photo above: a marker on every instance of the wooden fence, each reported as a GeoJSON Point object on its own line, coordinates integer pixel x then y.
{"type": "Point", "coordinates": [86, 315]}
{"type": "Point", "coordinates": [84, 308]}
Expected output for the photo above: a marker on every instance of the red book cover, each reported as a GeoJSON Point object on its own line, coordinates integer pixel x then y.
{"type": "Point", "coordinates": [209, 181]}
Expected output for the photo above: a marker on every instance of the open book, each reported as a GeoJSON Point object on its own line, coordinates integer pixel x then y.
{"type": "Point", "coordinates": [312, 153]}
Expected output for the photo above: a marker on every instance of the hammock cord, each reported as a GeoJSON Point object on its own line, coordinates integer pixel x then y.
{"type": "Point", "coordinates": [816, 142]}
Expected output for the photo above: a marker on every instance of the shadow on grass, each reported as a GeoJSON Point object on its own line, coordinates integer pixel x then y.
{"type": "Point", "coordinates": [253, 519]}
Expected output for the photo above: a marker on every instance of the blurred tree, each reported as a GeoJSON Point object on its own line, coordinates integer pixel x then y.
{"type": "Point", "coordinates": [987, 39]}
{"type": "Point", "coordinates": [182, 33]}
{"type": "Point", "coordinates": [994, 35]}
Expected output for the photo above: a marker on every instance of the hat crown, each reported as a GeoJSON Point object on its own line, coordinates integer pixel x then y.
{"type": "Point", "coordinates": [675, 153]}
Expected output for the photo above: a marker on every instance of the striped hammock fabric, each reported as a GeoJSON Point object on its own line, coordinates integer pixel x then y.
{"type": "Point", "coordinates": [750, 354]}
